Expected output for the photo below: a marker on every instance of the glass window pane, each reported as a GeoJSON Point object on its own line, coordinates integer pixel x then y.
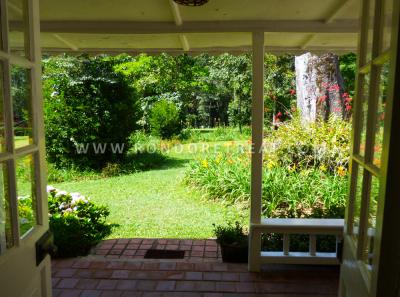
{"type": "Point", "coordinates": [6, 236]}
{"type": "Point", "coordinates": [387, 24]}
{"type": "Point", "coordinates": [17, 27]}
{"type": "Point", "coordinates": [364, 113]}
{"type": "Point", "coordinates": [370, 29]}
{"type": "Point", "coordinates": [21, 97]}
{"type": "Point", "coordinates": [2, 130]}
{"type": "Point", "coordinates": [357, 200]}
{"type": "Point", "coordinates": [383, 85]}
{"type": "Point", "coordinates": [373, 209]}
{"type": "Point", "coordinates": [26, 194]}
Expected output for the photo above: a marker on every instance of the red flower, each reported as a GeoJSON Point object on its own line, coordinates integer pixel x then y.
{"type": "Point", "coordinates": [277, 117]}
{"type": "Point", "coordinates": [292, 92]}
{"type": "Point", "coordinates": [345, 95]}
{"type": "Point", "coordinates": [334, 87]}
{"type": "Point", "coordinates": [348, 107]}
{"type": "Point", "coordinates": [322, 98]}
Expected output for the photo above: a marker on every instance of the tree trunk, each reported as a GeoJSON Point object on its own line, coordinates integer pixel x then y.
{"type": "Point", "coordinates": [320, 87]}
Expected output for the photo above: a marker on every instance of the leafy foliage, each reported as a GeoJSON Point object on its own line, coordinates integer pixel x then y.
{"type": "Point", "coordinates": [347, 64]}
{"type": "Point", "coordinates": [280, 87]}
{"type": "Point", "coordinates": [76, 222]}
{"type": "Point", "coordinates": [322, 145]}
{"type": "Point", "coordinates": [164, 119]}
{"type": "Point", "coordinates": [292, 188]}
{"type": "Point", "coordinates": [86, 103]}
{"type": "Point", "coordinates": [230, 234]}
{"type": "Point", "coordinates": [215, 134]}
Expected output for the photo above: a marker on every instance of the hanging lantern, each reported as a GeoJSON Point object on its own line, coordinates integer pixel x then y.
{"type": "Point", "coordinates": [191, 2]}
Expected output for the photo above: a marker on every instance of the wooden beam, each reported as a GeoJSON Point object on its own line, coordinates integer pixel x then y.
{"type": "Point", "coordinates": [20, 12]}
{"type": "Point", "coordinates": [329, 19]}
{"type": "Point", "coordinates": [308, 41]}
{"type": "Point", "coordinates": [127, 27]}
{"type": "Point", "coordinates": [66, 42]}
{"type": "Point", "coordinates": [178, 21]}
{"type": "Point", "coordinates": [211, 50]}
{"type": "Point", "coordinates": [335, 12]}
{"type": "Point", "coordinates": [176, 13]}
{"type": "Point", "coordinates": [184, 42]}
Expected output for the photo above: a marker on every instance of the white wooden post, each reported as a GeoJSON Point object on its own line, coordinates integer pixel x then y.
{"type": "Point", "coordinates": [257, 125]}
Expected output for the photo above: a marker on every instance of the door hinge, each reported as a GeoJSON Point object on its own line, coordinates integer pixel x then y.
{"type": "Point", "coordinates": [45, 245]}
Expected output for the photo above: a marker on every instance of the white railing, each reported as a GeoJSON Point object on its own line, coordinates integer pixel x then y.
{"type": "Point", "coordinates": [286, 227]}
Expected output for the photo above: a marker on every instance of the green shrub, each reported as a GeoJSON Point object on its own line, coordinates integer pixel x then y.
{"type": "Point", "coordinates": [230, 234]}
{"type": "Point", "coordinates": [165, 120]}
{"type": "Point", "coordinates": [86, 103]}
{"type": "Point", "coordinates": [111, 169]}
{"type": "Point", "coordinates": [25, 213]}
{"type": "Point", "coordinates": [303, 194]}
{"type": "Point", "coordinates": [142, 142]}
{"type": "Point", "coordinates": [286, 193]}
{"type": "Point", "coordinates": [323, 145]}
{"type": "Point", "coordinates": [59, 175]}
{"type": "Point", "coordinates": [297, 183]}
{"type": "Point", "coordinates": [76, 222]}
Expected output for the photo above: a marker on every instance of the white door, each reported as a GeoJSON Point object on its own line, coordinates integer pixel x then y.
{"type": "Point", "coordinates": [369, 238]}
{"type": "Point", "coordinates": [23, 200]}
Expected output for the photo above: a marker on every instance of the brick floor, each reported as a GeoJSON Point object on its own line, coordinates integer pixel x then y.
{"type": "Point", "coordinates": [195, 250]}
{"type": "Point", "coordinates": [97, 276]}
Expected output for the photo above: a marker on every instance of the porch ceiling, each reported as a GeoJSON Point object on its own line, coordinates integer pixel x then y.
{"type": "Point", "coordinates": [218, 26]}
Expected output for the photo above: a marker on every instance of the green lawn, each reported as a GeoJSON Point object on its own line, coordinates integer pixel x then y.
{"type": "Point", "coordinates": [156, 203]}
{"type": "Point", "coordinates": [21, 141]}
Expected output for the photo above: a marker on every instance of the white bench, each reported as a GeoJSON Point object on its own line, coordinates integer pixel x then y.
{"type": "Point", "coordinates": [311, 227]}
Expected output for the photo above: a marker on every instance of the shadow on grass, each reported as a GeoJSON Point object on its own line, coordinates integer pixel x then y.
{"type": "Point", "coordinates": [144, 161]}
{"type": "Point", "coordinates": [132, 163]}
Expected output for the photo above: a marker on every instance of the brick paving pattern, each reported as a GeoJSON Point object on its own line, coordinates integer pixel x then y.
{"type": "Point", "coordinates": [87, 277]}
{"type": "Point", "coordinates": [100, 275]}
{"type": "Point", "coordinates": [195, 250]}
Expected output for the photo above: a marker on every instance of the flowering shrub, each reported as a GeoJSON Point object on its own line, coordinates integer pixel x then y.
{"type": "Point", "coordinates": [76, 222]}
{"type": "Point", "coordinates": [323, 145]}
{"type": "Point", "coordinates": [304, 172]}
{"type": "Point", "coordinates": [25, 213]}
{"type": "Point", "coordinates": [286, 193]}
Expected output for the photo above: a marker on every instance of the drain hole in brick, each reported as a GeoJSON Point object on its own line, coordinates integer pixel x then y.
{"type": "Point", "coordinates": [164, 254]}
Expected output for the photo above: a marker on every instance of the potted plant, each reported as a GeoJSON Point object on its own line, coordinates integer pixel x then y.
{"type": "Point", "coordinates": [233, 242]}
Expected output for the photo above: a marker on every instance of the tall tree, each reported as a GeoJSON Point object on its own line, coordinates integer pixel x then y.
{"type": "Point", "coordinates": [320, 87]}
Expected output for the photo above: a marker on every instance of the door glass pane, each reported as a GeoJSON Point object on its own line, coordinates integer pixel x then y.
{"type": "Point", "coordinates": [370, 29]}
{"type": "Point", "coordinates": [17, 27]}
{"type": "Point", "coordinates": [359, 172]}
{"type": "Point", "coordinates": [387, 24]}
{"type": "Point", "coordinates": [373, 208]}
{"type": "Point", "coordinates": [26, 194]}
{"type": "Point", "coordinates": [364, 113]}
{"type": "Point", "coordinates": [2, 134]}
{"type": "Point", "coordinates": [6, 236]}
{"type": "Point", "coordinates": [21, 97]}
{"type": "Point", "coordinates": [383, 85]}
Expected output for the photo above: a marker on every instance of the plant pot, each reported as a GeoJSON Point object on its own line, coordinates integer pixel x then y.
{"type": "Point", "coordinates": [234, 253]}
